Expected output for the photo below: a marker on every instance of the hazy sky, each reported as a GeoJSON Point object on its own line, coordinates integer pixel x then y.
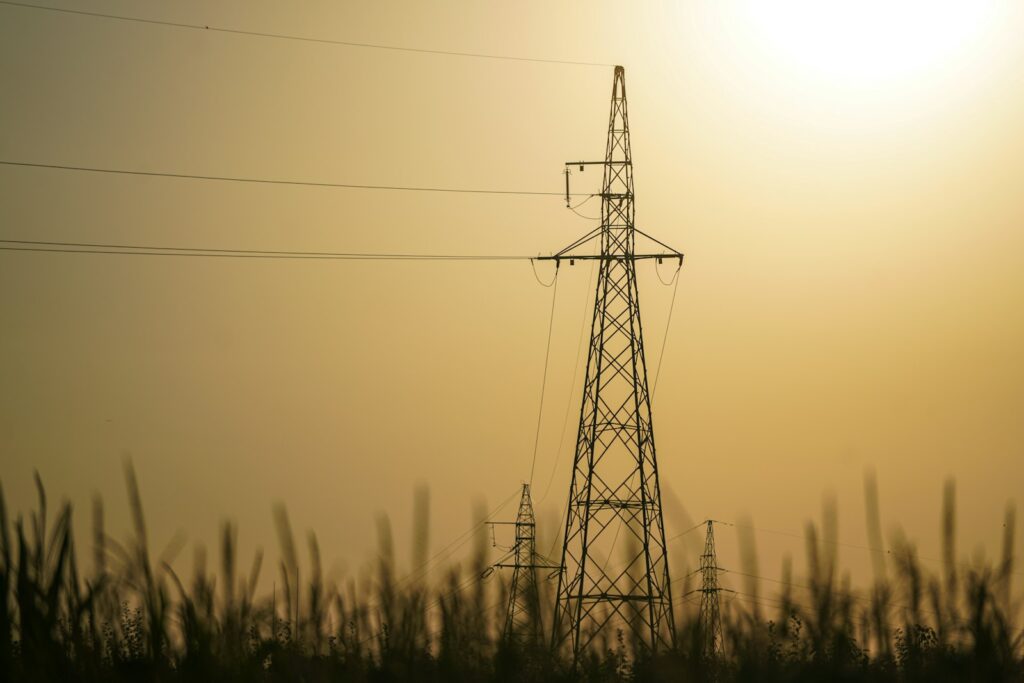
{"type": "Point", "coordinates": [845, 181]}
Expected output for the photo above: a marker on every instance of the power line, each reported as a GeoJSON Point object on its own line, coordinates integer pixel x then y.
{"type": "Point", "coordinates": [840, 544]}
{"type": "Point", "coordinates": [803, 537]}
{"type": "Point", "coordinates": [668, 325]}
{"type": "Point", "coordinates": [573, 209]}
{"type": "Point", "coordinates": [136, 249]}
{"type": "Point", "coordinates": [454, 545]}
{"type": "Point", "coordinates": [565, 425]}
{"type": "Point", "coordinates": [683, 533]}
{"type": "Point", "coordinates": [354, 257]}
{"type": "Point", "coordinates": [533, 266]}
{"type": "Point", "coordinates": [271, 181]}
{"type": "Point", "coordinates": [544, 378]}
{"type": "Point", "coordinates": [471, 579]}
{"type": "Point", "coordinates": [444, 552]}
{"type": "Point", "coordinates": [305, 39]}
{"type": "Point", "coordinates": [140, 250]}
{"type": "Point", "coordinates": [572, 385]}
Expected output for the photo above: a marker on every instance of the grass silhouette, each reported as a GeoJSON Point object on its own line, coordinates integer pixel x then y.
{"type": "Point", "coordinates": [133, 618]}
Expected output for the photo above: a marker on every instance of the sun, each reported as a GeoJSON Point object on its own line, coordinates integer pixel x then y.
{"type": "Point", "coordinates": [867, 42]}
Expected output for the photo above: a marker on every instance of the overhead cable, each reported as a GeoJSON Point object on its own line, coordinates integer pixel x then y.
{"type": "Point", "coordinates": [544, 378]}
{"type": "Point", "coordinates": [305, 39]}
{"type": "Point", "coordinates": [270, 181]}
{"type": "Point", "coordinates": [141, 250]}
{"type": "Point", "coordinates": [668, 325]}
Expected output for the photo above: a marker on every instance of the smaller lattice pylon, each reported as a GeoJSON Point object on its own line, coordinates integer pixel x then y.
{"type": "Point", "coordinates": [522, 618]}
{"type": "Point", "coordinates": [710, 618]}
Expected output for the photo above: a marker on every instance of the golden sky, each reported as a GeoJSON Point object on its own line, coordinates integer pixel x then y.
{"type": "Point", "coordinates": [845, 179]}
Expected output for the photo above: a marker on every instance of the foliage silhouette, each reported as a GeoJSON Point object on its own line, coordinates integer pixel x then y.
{"type": "Point", "coordinates": [135, 619]}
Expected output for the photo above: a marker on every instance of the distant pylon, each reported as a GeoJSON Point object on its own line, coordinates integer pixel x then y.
{"type": "Point", "coordinates": [614, 508]}
{"type": "Point", "coordinates": [710, 618]}
{"type": "Point", "coordinates": [523, 622]}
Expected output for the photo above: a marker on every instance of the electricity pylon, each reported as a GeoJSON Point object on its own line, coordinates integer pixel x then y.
{"type": "Point", "coordinates": [614, 507]}
{"type": "Point", "coordinates": [710, 617]}
{"type": "Point", "coordinates": [522, 619]}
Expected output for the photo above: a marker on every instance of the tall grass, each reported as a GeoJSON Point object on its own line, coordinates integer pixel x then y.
{"type": "Point", "coordinates": [131, 617]}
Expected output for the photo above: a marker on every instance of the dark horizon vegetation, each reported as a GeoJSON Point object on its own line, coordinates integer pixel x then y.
{"type": "Point", "coordinates": [132, 617]}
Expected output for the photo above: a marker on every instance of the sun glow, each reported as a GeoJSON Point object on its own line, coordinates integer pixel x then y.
{"type": "Point", "coordinates": [869, 42]}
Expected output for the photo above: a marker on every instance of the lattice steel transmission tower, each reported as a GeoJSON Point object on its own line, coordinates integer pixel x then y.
{"type": "Point", "coordinates": [710, 618]}
{"type": "Point", "coordinates": [523, 622]}
{"type": "Point", "coordinates": [614, 508]}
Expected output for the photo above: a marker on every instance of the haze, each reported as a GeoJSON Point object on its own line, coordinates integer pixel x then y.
{"type": "Point", "coordinates": [851, 297]}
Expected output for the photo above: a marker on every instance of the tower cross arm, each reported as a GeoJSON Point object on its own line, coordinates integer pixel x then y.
{"type": "Point", "coordinates": [614, 257]}
{"type": "Point", "coordinates": [567, 252]}
{"type": "Point", "coordinates": [603, 162]}
{"type": "Point", "coordinates": [513, 565]}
